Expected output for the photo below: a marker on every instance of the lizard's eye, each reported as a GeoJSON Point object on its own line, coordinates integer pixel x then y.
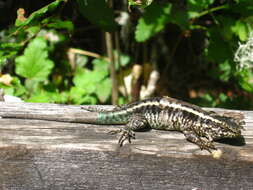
{"type": "Point", "coordinates": [208, 122]}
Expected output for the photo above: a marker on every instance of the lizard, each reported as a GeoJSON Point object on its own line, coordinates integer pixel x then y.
{"type": "Point", "coordinates": [199, 126]}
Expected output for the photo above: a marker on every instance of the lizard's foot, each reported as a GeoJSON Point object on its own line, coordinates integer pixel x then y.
{"type": "Point", "coordinates": [126, 135]}
{"type": "Point", "coordinates": [206, 145]}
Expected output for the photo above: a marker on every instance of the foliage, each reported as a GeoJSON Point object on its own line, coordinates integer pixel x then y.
{"type": "Point", "coordinates": [153, 21]}
{"type": "Point", "coordinates": [88, 82]}
{"type": "Point", "coordinates": [37, 77]}
{"type": "Point", "coordinates": [228, 27]}
{"type": "Point", "coordinates": [37, 15]}
{"type": "Point", "coordinates": [34, 63]}
{"type": "Point", "coordinates": [98, 12]}
{"type": "Point", "coordinates": [34, 50]}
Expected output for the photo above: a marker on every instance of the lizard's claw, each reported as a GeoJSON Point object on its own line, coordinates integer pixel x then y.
{"type": "Point", "coordinates": [126, 135]}
{"type": "Point", "coordinates": [115, 131]}
{"type": "Point", "coordinates": [207, 145]}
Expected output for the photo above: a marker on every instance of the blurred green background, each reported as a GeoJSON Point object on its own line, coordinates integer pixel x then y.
{"type": "Point", "coordinates": [116, 51]}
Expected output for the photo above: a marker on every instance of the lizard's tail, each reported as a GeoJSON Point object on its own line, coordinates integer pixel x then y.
{"type": "Point", "coordinates": [50, 112]}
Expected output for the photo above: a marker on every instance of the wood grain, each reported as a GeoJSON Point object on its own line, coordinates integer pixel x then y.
{"type": "Point", "coordinates": [40, 154]}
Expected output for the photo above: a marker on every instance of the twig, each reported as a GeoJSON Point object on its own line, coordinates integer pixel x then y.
{"type": "Point", "coordinates": [109, 48]}
{"type": "Point", "coordinates": [87, 53]}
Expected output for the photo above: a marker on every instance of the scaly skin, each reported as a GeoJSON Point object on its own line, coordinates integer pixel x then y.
{"type": "Point", "coordinates": [199, 126]}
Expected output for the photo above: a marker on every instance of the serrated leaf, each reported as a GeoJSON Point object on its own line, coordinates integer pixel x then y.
{"type": "Point", "coordinates": [39, 13]}
{"type": "Point", "coordinates": [153, 21]}
{"type": "Point", "coordinates": [34, 64]}
{"type": "Point", "coordinates": [88, 80]}
{"type": "Point", "coordinates": [98, 13]}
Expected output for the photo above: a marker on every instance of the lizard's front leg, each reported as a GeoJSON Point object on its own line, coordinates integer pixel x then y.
{"type": "Point", "coordinates": [135, 122]}
{"type": "Point", "coordinates": [202, 142]}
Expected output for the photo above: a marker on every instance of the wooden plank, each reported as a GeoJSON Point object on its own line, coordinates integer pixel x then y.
{"type": "Point", "coordinates": [39, 154]}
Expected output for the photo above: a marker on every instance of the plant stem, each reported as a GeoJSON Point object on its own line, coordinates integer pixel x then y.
{"type": "Point", "coordinates": [211, 10]}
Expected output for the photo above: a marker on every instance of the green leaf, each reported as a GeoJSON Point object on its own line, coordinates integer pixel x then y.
{"type": "Point", "coordinates": [57, 23]}
{"type": "Point", "coordinates": [245, 77]}
{"type": "Point", "coordinates": [98, 13]}
{"type": "Point", "coordinates": [101, 65]}
{"type": "Point", "coordinates": [226, 71]}
{"type": "Point", "coordinates": [4, 56]}
{"type": "Point", "coordinates": [91, 82]}
{"type": "Point", "coordinates": [39, 98]}
{"type": "Point", "coordinates": [195, 6]}
{"type": "Point", "coordinates": [180, 17]}
{"type": "Point", "coordinates": [223, 97]}
{"type": "Point", "coordinates": [10, 46]}
{"type": "Point", "coordinates": [104, 90]}
{"type": "Point", "coordinates": [153, 21]}
{"type": "Point", "coordinates": [48, 95]}
{"type": "Point", "coordinates": [243, 7]}
{"type": "Point", "coordinates": [79, 96]}
{"type": "Point", "coordinates": [199, 4]}
{"type": "Point", "coordinates": [35, 16]}
{"type": "Point", "coordinates": [76, 94]}
{"type": "Point", "coordinates": [241, 29]}
{"type": "Point", "coordinates": [123, 60]}
{"type": "Point", "coordinates": [7, 51]}
{"type": "Point", "coordinates": [34, 64]}
{"type": "Point", "coordinates": [19, 88]}
{"type": "Point", "coordinates": [245, 85]}
{"type": "Point", "coordinates": [15, 89]}
{"type": "Point", "coordinates": [206, 100]}
{"type": "Point", "coordinates": [88, 80]}
{"type": "Point", "coordinates": [218, 50]}
{"type": "Point", "coordinates": [88, 99]}
{"type": "Point", "coordinates": [33, 30]}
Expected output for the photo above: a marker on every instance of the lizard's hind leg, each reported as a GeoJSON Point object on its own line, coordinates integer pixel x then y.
{"type": "Point", "coordinates": [202, 142]}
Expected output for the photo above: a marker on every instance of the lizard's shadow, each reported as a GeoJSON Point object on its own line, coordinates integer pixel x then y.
{"type": "Point", "coordinates": [239, 141]}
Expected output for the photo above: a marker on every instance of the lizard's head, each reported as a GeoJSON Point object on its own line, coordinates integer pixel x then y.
{"type": "Point", "coordinates": [227, 128]}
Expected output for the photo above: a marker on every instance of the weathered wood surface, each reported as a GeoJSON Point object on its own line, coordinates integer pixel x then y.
{"type": "Point", "coordinates": [39, 154]}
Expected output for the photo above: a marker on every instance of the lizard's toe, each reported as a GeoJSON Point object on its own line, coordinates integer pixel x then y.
{"type": "Point", "coordinates": [126, 135]}
{"type": "Point", "coordinates": [115, 131]}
